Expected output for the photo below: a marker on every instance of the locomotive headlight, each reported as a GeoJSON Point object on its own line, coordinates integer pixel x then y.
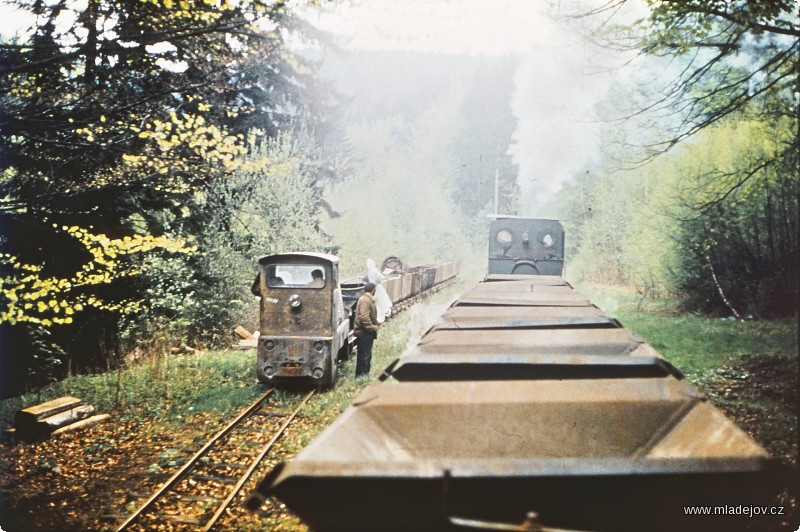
{"type": "Point", "coordinates": [294, 301]}
{"type": "Point", "coordinates": [318, 346]}
{"type": "Point", "coordinates": [504, 237]}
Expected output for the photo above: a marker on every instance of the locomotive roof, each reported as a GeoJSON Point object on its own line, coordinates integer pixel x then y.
{"type": "Point", "coordinates": [513, 217]}
{"type": "Point", "coordinates": [333, 259]}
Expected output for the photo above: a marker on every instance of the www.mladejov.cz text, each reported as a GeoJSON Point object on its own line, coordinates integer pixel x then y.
{"type": "Point", "coordinates": [741, 509]}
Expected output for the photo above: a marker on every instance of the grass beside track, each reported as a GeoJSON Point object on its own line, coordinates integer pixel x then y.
{"type": "Point", "coordinates": [164, 409]}
{"type": "Point", "coordinates": [693, 343]}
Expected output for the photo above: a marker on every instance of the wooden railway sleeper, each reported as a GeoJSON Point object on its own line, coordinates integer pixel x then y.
{"type": "Point", "coordinates": [212, 478]}
{"type": "Point", "coordinates": [224, 465]}
{"type": "Point", "coordinates": [182, 519]}
{"type": "Point", "coordinates": [198, 498]}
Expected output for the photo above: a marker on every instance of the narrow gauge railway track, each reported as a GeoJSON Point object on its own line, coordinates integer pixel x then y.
{"type": "Point", "coordinates": [197, 495]}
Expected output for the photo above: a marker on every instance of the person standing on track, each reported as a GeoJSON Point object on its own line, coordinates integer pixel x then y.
{"type": "Point", "coordinates": [365, 329]}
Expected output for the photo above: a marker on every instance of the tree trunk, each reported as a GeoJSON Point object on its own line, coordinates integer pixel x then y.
{"type": "Point", "coordinates": [719, 289]}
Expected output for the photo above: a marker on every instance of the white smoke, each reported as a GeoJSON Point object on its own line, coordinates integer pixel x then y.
{"type": "Point", "coordinates": [559, 83]}
{"type": "Point", "coordinates": [557, 129]}
{"type": "Point", "coordinates": [561, 77]}
{"type": "Point", "coordinates": [421, 317]}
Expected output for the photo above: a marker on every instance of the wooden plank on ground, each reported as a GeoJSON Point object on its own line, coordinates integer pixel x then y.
{"type": "Point", "coordinates": [49, 424]}
{"type": "Point", "coordinates": [247, 344]}
{"type": "Point", "coordinates": [32, 414]}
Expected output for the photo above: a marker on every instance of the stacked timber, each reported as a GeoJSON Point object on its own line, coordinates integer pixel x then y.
{"type": "Point", "coordinates": [54, 417]}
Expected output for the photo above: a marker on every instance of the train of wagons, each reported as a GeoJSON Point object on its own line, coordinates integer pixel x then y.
{"type": "Point", "coordinates": [526, 407]}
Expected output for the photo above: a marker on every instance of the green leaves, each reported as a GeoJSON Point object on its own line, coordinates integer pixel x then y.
{"type": "Point", "coordinates": [719, 207]}
{"type": "Point", "coordinates": [117, 116]}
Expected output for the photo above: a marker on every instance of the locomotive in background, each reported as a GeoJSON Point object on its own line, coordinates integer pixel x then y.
{"type": "Point", "coordinates": [519, 247]}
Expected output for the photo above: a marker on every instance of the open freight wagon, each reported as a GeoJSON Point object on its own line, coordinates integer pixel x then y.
{"type": "Point", "coordinates": [618, 454]}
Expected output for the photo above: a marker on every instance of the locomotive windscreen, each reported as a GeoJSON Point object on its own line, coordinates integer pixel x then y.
{"type": "Point", "coordinates": [295, 276]}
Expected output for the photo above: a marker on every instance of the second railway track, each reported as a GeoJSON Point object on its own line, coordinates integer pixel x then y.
{"type": "Point", "coordinates": [197, 495]}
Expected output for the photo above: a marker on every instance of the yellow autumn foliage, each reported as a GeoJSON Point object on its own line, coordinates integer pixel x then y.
{"type": "Point", "coordinates": [194, 10]}
{"type": "Point", "coordinates": [182, 143]}
{"type": "Point", "coordinates": [28, 295]}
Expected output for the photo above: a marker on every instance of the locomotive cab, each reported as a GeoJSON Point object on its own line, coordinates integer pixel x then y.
{"type": "Point", "coordinates": [303, 322]}
{"type": "Point", "coordinates": [526, 246]}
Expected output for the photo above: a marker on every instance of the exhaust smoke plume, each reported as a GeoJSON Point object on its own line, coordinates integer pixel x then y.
{"type": "Point", "coordinates": [559, 79]}
{"type": "Point", "coordinates": [557, 126]}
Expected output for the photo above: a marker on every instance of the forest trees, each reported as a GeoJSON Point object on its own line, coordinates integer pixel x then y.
{"type": "Point", "coordinates": [483, 145]}
{"type": "Point", "coordinates": [740, 84]}
{"type": "Point", "coordinates": [738, 229]}
{"type": "Point", "coordinates": [119, 119]}
{"type": "Point", "coordinates": [729, 129]}
{"type": "Point", "coordinates": [741, 81]}
{"type": "Point", "coordinates": [269, 205]}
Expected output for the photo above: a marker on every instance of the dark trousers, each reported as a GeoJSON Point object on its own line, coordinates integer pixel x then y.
{"type": "Point", "coordinates": [364, 356]}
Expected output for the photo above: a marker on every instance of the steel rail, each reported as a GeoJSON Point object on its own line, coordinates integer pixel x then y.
{"type": "Point", "coordinates": [250, 470]}
{"type": "Point", "coordinates": [193, 460]}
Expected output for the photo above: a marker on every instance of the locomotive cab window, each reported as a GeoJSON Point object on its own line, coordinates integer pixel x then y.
{"type": "Point", "coordinates": [295, 276]}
